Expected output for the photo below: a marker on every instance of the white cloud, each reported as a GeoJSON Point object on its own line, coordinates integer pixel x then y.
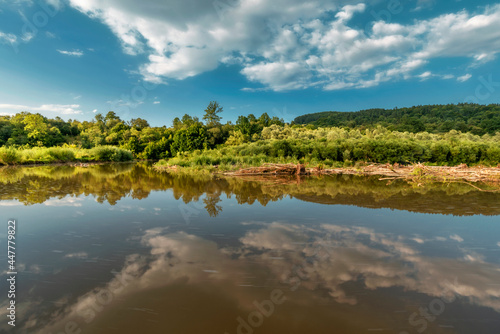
{"type": "Point", "coordinates": [94, 111]}
{"type": "Point", "coordinates": [67, 201]}
{"type": "Point", "coordinates": [424, 4]}
{"type": "Point", "coordinates": [419, 240]}
{"type": "Point", "coordinates": [280, 76]}
{"type": "Point", "coordinates": [456, 237]}
{"type": "Point", "coordinates": [290, 44]}
{"type": "Point", "coordinates": [79, 255]}
{"type": "Point", "coordinates": [484, 57]}
{"type": "Point", "coordinates": [55, 3]}
{"type": "Point", "coordinates": [124, 103]}
{"type": "Point", "coordinates": [74, 53]}
{"type": "Point", "coordinates": [27, 37]}
{"type": "Point", "coordinates": [17, 3]}
{"type": "Point", "coordinates": [464, 78]}
{"type": "Point", "coordinates": [10, 203]}
{"type": "Point", "coordinates": [348, 11]}
{"type": "Point", "coordinates": [7, 38]}
{"type": "Point", "coordinates": [63, 109]}
{"type": "Point", "coordinates": [156, 102]}
{"type": "Point", "coordinates": [426, 75]}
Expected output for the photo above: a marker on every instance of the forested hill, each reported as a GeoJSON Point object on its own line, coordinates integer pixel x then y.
{"type": "Point", "coordinates": [475, 118]}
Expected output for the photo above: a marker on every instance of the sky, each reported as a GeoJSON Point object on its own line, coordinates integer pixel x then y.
{"type": "Point", "coordinates": [161, 59]}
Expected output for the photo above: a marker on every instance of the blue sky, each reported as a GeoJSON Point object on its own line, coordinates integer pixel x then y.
{"type": "Point", "coordinates": [160, 59]}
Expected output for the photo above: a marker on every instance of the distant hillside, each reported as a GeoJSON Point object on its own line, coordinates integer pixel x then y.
{"type": "Point", "coordinates": [475, 118]}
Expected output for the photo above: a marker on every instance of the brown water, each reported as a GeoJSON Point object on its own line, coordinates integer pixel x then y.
{"type": "Point", "coordinates": [124, 249]}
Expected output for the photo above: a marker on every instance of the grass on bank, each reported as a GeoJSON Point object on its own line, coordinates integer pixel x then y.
{"type": "Point", "coordinates": [344, 151]}
{"type": "Point", "coordinates": [226, 160]}
{"type": "Point", "coordinates": [46, 155]}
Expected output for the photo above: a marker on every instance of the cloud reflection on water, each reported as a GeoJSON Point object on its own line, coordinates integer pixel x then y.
{"type": "Point", "coordinates": [265, 258]}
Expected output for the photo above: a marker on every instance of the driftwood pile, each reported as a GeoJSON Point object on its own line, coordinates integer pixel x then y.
{"type": "Point", "coordinates": [439, 173]}
{"type": "Point", "coordinates": [272, 169]}
{"type": "Point", "coordinates": [388, 171]}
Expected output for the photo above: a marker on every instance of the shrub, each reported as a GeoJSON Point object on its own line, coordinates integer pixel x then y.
{"type": "Point", "coordinates": [110, 153]}
{"type": "Point", "coordinates": [9, 156]}
{"type": "Point", "coordinates": [61, 154]}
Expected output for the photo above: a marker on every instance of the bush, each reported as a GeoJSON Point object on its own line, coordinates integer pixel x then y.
{"type": "Point", "coordinates": [9, 156]}
{"type": "Point", "coordinates": [178, 161]}
{"type": "Point", "coordinates": [61, 154]}
{"type": "Point", "coordinates": [110, 153]}
{"type": "Point", "coordinates": [122, 155]}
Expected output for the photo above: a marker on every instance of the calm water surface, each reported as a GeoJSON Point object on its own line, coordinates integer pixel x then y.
{"type": "Point", "coordinates": [123, 249]}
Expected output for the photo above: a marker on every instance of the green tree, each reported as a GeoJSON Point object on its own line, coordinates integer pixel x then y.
{"type": "Point", "coordinates": [243, 125]}
{"type": "Point", "coordinates": [177, 123]}
{"type": "Point", "coordinates": [212, 112]}
{"type": "Point", "coordinates": [139, 123]}
{"type": "Point", "coordinates": [187, 121]}
{"type": "Point", "coordinates": [192, 138]}
{"type": "Point", "coordinates": [111, 119]}
{"type": "Point", "coordinates": [264, 119]}
{"type": "Point", "coordinates": [37, 128]}
{"type": "Point", "coordinates": [99, 121]}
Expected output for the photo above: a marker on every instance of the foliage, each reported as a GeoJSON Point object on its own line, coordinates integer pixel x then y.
{"type": "Point", "coordinates": [464, 117]}
{"type": "Point", "coordinates": [366, 136]}
{"type": "Point", "coordinates": [192, 138]}
{"type": "Point", "coordinates": [110, 153]}
{"type": "Point", "coordinates": [43, 155]}
{"type": "Point", "coordinates": [212, 112]}
{"type": "Point", "coordinates": [338, 147]}
{"type": "Point", "coordinates": [9, 156]}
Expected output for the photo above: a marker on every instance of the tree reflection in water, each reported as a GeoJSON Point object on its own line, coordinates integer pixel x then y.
{"type": "Point", "coordinates": [112, 182]}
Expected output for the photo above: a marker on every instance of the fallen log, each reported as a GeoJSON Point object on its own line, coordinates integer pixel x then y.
{"type": "Point", "coordinates": [417, 172]}
{"type": "Point", "coordinates": [272, 169]}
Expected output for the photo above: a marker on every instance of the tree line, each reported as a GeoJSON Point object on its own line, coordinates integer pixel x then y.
{"type": "Point", "coordinates": [26, 130]}
{"type": "Point", "coordinates": [368, 136]}
{"type": "Point", "coordinates": [465, 117]}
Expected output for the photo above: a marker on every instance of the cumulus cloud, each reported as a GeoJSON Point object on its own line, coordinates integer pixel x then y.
{"type": "Point", "coordinates": [384, 261]}
{"type": "Point", "coordinates": [280, 76]}
{"type": "Point", "coordinates": [63, 109]}
{"type": "Point", "coordinates": [290, 44]}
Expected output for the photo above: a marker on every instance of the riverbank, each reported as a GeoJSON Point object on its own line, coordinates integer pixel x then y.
{"type": "Point", "coordinates": [57, 155]}
{"type": "Point", "coordinates": [111, 182]}
{"type": "Point", "coordinates": [418, 173]}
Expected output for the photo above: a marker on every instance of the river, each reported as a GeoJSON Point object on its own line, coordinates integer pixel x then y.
{"type": "Point", "coordinates": [121, 248]}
